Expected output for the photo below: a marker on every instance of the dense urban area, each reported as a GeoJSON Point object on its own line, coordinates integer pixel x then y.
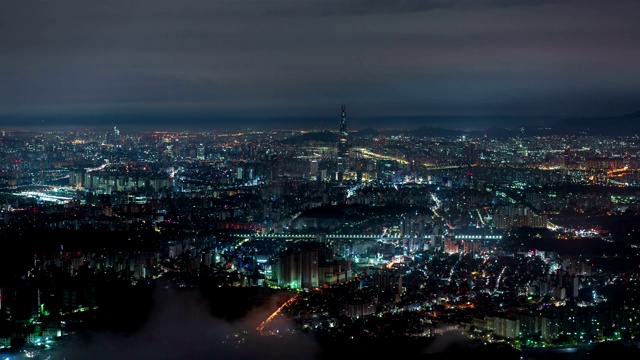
{"type": "Point", "coordinates": [517, 241]}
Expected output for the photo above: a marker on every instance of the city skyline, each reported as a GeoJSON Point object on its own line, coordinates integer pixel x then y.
{"type": "Point", "coordinates": [311, 179]}
{"type": "Point", "coordinates": [436, 243]}
{"type": "Point", "coordinates": [216, 64]}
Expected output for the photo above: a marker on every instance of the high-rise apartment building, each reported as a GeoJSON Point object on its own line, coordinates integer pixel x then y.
{"type": "Point", "coordinates": [298, 269]}
{"type": "Point", "coordinates": [200, 152]}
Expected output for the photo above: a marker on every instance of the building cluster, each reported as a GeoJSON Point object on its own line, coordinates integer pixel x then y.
{"type": "Point", "coordinates": [376, 233]}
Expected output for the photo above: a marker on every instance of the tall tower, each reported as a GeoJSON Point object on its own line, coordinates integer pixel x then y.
{"type": "Point", "coordinates": [343, 137]}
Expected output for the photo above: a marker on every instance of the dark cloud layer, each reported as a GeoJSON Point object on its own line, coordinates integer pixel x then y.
{"type": "Point", "coordinates": [306, 57]}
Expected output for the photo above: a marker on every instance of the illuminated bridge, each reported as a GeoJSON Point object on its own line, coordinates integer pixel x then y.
{"type": "Point", "coordinates": [363, 236]}
{"type": "Point", "coordinates": [478, 237]}
{"type": "Point", "coordinates": [315, 236]}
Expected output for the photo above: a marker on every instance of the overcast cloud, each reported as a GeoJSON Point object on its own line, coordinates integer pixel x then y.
{"type": "Point", "coordinates": [306, 57]}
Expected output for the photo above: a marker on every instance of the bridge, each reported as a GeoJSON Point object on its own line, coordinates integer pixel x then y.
{"type": "Point", "coordinates": [365, 236]}
{"type": "Point", "coordinates": [315, 236]}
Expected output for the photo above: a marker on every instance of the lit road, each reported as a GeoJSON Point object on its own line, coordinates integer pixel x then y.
{"type": "Point", "coordinates": [499, 279]}
{"type": "Point", "coordinates": [275, 313]}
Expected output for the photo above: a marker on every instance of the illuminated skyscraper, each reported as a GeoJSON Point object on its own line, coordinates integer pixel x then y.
{"type": "Point", "coordinates": [343, 137]}
{"type": "Point", "coordinates": [200, 152]}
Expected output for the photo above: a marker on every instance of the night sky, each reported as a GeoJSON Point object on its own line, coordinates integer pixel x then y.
{"type": "Point", "coordinates": [215, 62]}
